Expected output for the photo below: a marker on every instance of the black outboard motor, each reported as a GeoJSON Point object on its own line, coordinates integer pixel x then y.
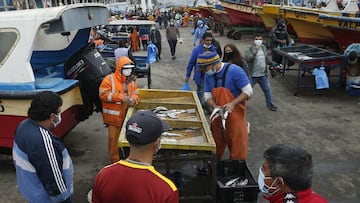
{"type": "Point", "coordinates": [88, 66]}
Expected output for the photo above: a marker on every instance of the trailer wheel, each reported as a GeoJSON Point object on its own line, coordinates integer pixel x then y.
{"type": "Point", "coordinates": [237, 35]}
{"type": "Point", "coordinates": [230, 34]}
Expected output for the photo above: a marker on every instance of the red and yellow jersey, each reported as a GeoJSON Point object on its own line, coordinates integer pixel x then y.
{"type": "Point", "coordinates": [125, 182]}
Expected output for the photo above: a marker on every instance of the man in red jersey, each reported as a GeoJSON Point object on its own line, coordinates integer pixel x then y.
{"type": "Point", "coordinates": [135, 180]}
{"type": "Point", "coordinates": [286, 175]}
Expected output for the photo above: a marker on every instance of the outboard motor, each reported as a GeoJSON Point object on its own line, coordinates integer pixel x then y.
{"type": "Point", "coordinates": [88, 66]}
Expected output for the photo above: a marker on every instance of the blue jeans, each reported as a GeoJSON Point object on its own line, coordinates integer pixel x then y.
{"type": "Point", "coordinates": [265, 86]}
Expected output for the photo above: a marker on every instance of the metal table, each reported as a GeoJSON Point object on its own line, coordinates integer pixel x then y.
{"type": "Point", "coordinates": [309, 57]}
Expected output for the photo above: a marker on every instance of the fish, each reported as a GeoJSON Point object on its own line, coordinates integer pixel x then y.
{"type": "Point", "coordinates": [232, 181]}
{"type": "Point", "coordinates": [169, 134]}
{"type": "Point", "coordinates": [223, 119]}
{"type": "Point", "coordinates": [158, 109]}
{"type": "Point", "coordinates": [172, 115]}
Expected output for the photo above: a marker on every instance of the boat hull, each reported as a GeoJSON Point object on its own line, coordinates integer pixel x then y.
{"type": "Point", "coordinates": [242, 14]}
{"type": "Point", "coordinates": [352, 36]}
{"type": "Point", "coordinates": [205, 11]}
{"type": "Point", "coordinates": [308, 27]}
{"type": "Point", "coordinates": [346, 30]}
{"type": "Point", "coordinates": [14, 110]}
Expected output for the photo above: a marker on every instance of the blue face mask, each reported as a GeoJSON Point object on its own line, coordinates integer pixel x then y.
{"type": "Point", "coordinates": [210, 72]}
{"type": "Point", "coordinates": [263, 187]}
{"type": "Point", "coordinates": [261, 182]}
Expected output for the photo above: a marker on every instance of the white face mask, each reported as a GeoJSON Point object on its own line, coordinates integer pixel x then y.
{"type": "Point", "coordinates": [258, 42]}
{"type": "Point", "coordinates": [207, 46]}
{"type": "Point", "coordinates": [58, 122]}
{"type": "Point", "coordinates": [126, 72]}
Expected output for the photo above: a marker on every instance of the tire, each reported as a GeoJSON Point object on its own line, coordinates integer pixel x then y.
{"type": "Point", "coordinates": [237, 35]}
{"type": "Point", "coordinates": [230, 34]}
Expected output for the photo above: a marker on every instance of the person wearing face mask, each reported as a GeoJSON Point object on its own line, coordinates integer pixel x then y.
{"type": "Point", "coordinates": [134, 179]}
{"type": "Point", "coordinates": [257, 58]}
{"type": "Point", "coordinates": [198, 77]}
{"type": "Point", "coordinates": [286, 175]}
{"type": "Point", "coordinates": [215, 43]}
{"type": "Point", "coordinates": [172, 34]}
{"type": "Point", "coordinates": [233, 55]}
{"type": "Point", "coordinates": [155, 38]}
{"type": "Point", "coordinates": [279, 38]}
{"type": "Point", "coordinates": [44, 169]}
{"type": "Point", "coordinates": [124, 50]}
{"type": "Point", "coordinates": [199, 31]}
{"type": "Point", "coordinates": [226, 89]}
{"type": "Point", "coordinates": [117, 92]}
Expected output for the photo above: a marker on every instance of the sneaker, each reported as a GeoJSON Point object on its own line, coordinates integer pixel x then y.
{"type": "Point", "coordinates": [173, 57]}
{"type": "Point", "coordinates": [272, 108]}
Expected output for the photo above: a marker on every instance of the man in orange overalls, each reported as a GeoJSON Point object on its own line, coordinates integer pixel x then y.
{"type": "Point", "coordinates": [117, 91]}
{"type": "Point", "coordinates": [226, 89]}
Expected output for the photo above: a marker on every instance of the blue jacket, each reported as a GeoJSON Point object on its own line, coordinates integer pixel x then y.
{"type": "Point", "coordinates": [44, 170]}
{"type": "Point", "coordinates": [193, 62]}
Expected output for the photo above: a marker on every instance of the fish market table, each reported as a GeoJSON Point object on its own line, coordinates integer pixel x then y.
{"type": "Point", "coordinates": [187, 154]}
{"type": "Point", "coordinates": [309, 57]}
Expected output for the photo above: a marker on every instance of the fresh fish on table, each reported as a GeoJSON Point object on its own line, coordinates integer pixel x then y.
{"type": "Point", "coordinates": [172, 115]}
{"type": "Point", "coordinates": [169, 134]}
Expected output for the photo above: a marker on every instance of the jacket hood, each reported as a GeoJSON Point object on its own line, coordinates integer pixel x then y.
{"type": "Point", "coordinates": [121, 62]}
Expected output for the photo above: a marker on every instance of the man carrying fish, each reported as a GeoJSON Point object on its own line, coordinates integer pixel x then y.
{"type": "Point", "coordinates": [226, 90]}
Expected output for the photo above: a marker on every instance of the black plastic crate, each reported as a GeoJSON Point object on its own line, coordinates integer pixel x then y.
{"type": "Point", "coordinates": [230, 169]}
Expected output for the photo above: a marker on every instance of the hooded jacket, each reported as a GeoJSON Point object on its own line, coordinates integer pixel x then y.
{"type": "Point", "coordinates": [112, 91]}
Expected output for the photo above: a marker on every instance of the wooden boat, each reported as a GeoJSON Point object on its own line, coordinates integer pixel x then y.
{"type": "Point", "coordinates": [308, 25]}
{"type": "Point", "coordinates": [268, 19]}
{"type": "Point", "coordinates": [205, 11]}
{"type": "Point", "coordinates": [242, 14]}
{"type": "Point", "coordinates": [220, 15]}
{"type": "Point", "coordinates": [36, 43]}
{"type": "Point", "coordinates": [346, 30]}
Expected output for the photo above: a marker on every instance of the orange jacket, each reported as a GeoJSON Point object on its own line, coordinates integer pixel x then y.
{"type": "Point", "coordinates": [112, 91]}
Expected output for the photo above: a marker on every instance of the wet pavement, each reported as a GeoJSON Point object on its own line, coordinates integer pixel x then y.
{"type": "Point", "coordinates": [326, 123]}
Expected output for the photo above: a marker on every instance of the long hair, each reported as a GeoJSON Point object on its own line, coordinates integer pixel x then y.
{"type": "Point", "coordinates": [237, 58]}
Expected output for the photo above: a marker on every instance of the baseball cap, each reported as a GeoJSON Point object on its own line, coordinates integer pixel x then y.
{"type": "Point", "coordinates": [144, 127]}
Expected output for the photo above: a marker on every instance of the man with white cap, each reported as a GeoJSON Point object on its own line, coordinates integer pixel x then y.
{"type": "Point", "coordinates": [134, 179]}
{"type": "Point", "coordinates": [227, 88]}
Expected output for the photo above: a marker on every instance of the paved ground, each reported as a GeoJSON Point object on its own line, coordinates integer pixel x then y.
{"type": "Point", "coordinates": [326, 123]}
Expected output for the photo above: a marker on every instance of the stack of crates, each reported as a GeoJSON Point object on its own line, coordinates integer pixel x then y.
{"type": "Point", "coordinates": [228, 170]}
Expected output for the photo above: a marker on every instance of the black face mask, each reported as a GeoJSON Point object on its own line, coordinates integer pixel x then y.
{"type": "Point", "coordinates": [229, 55]}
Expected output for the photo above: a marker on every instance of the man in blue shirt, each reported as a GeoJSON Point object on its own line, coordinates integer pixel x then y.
{"type": "Point", "coordinates": [226, 88]}
{"type": "Point", "coordinates": [205, 45]}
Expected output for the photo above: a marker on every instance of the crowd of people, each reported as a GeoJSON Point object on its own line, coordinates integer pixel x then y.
{"type": "Point", "coordinates": [224, 81]}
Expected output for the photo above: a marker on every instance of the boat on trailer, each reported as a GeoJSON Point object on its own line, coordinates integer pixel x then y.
{"type": "Point", "coordinates": [37, 45]}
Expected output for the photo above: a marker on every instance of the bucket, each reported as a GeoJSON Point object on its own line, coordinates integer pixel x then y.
{"type": "Point", "coordinates": [88, 66]}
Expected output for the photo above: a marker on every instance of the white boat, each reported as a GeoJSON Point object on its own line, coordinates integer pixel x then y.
{"type": "Point", "coordinates": [40, 49]}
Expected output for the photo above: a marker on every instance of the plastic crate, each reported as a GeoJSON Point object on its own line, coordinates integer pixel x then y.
{"type": "Point", "coordinates": [230, 169]}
